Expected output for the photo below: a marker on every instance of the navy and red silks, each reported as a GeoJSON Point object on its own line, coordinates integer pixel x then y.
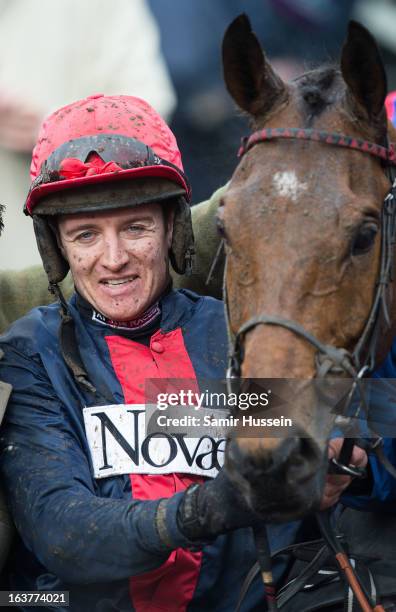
{"type": "Point", "coordinates": [96, 537]}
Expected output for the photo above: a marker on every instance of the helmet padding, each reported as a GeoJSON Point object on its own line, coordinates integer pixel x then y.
{"type": "Point", "coordinates": [109, 197]}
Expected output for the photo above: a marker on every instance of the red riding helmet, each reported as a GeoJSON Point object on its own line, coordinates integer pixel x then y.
{"type": "Point", "coordinates": [100, 153]}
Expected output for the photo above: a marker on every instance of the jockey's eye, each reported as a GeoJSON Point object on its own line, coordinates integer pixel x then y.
{"type": "Point", "coordinates": [364, 238]}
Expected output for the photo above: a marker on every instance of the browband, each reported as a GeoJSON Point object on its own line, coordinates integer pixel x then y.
{"type": "Point", "coordinates": [333, 138]}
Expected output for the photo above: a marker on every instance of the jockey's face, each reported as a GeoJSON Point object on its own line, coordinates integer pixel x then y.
{"type": "Point", "coordinates": [118, 258]}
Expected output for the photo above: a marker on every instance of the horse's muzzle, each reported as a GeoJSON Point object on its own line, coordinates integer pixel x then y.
{"type": "Point", "coordinates": [282, 484]}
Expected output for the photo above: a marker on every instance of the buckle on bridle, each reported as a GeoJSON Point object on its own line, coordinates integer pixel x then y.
{"type": "Point", "coordinates": [335, 467]}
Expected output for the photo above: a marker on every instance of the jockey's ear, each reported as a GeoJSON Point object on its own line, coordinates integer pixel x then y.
{"type": "Point", "coordinates": [248, 76]}
{"type": "Point", "coordinates": [364, 73]}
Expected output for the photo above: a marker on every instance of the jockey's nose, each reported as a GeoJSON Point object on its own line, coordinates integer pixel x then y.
{"type": "Point", "coordinates": [114, 255]}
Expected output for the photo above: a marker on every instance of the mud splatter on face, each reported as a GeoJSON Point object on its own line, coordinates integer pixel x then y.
{"type": "Point", "coordinates": [118, 259]}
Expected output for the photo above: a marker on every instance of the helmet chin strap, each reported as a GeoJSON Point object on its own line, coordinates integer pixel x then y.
{"type": "Point", "coordinates": [71, 353]}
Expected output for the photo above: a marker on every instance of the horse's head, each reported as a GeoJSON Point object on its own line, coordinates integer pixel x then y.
{"type": "Point", "coordinates": [302, 225]}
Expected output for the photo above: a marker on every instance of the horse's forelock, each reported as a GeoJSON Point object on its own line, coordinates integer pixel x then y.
{"type": "Point", "coordinates": [324, 86]}
{"type": "Point", "coordinates": [320, 76]}
{"type": "Point", "coordinates": [318, 89]}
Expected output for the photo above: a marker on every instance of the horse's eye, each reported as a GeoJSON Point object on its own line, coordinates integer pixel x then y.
{"type": "Point", "coordinates": [364, 238]}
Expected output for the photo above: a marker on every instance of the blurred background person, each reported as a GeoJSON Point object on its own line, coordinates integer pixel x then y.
{"type": "Point", "coordinates": [294, 33]}
{"type": "Point", "coordinates": [56, 51]}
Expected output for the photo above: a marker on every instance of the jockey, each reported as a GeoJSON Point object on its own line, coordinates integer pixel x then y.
{"type": "Point", "coordinates": [98, 511]}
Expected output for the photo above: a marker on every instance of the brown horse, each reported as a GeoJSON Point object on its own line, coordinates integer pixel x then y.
{"type": "Point", "coordinates": [302, 225]}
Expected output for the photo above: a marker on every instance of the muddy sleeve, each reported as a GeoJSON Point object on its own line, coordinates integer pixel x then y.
{"type": "Point", "coordinates": [22, 290]}
{"type": "Point", "coordinates": [73, 532]}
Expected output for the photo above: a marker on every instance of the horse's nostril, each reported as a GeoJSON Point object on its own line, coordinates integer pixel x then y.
{"type": "Point", "coordinates": [239, 460]}
{"type": "Point", "coordinates": [252, 466]}
{"type": "Point", "coordinates": [305, 461]}
{"type": "Point", "coordinates": [309, 449]}
{"type": "Point", "coordinates": [293, 460]}
{"type": "Point", "coordinates": [287, 451]}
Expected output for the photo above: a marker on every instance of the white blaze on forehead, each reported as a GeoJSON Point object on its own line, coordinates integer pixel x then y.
{"type": "Point", "coordinates": [287, 184]}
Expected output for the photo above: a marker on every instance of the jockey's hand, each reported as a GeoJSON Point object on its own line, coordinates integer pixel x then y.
{"type": "Point", "coordinates": [213, 508]}
{"type": "Point", "coordinates": [336, 483]}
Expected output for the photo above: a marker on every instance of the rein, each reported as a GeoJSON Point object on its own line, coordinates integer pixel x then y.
{"type": "Point", "coordinates": [330, 359]}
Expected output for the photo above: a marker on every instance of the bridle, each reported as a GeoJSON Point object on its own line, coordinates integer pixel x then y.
{"type": "Point", "coordinates": [330, 359]}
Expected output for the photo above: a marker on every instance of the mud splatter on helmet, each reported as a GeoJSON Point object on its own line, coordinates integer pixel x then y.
{"type": "Point", "coordinates": [100, 153]}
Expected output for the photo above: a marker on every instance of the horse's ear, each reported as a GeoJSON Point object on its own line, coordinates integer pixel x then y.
{"type": "Point", "coordinates": [363, 71]}
{"type": "Point", "coordinates": [248, 76]}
